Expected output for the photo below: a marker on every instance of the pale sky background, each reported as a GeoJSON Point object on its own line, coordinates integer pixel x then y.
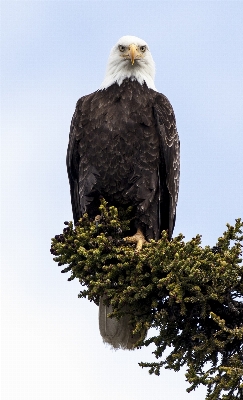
{"type": "Point", "coordinates": [54, 52]}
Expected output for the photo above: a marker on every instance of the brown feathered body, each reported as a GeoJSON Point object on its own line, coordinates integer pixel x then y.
{"type": "Point", "coordinates": [124, 146]}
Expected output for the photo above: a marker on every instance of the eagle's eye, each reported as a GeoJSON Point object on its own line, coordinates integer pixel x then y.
{"type": "Point", "coordinates": [121, 48]}
{"type": "Point", "coordinates": [142, 49]}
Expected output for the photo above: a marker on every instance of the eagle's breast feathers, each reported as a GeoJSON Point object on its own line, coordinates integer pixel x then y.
{"type": "Point", "coordinates": [124, 146]}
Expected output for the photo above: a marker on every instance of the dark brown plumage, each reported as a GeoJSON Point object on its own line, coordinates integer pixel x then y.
{"type": "Point", "coordinates": [124, 146]}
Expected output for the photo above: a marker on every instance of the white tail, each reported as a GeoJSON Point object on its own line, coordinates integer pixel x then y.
{"type": "Point", "coordinates": [116, 333]}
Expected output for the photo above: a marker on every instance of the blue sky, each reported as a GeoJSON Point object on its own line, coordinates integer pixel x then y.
{"type": "Point", "coordinates": [52, 53]}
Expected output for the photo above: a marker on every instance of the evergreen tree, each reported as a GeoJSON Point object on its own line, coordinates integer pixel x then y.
{"type": "Point", "coordinates": [191, 294]}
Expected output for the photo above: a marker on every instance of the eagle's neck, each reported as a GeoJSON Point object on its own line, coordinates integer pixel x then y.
{"type": "Point", "coordinates": [117, 72]}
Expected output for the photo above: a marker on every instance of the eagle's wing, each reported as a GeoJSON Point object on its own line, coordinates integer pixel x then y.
{"type": "Point", "coordinates": [73, 159]}
{"type": "Point", "coordinates": [170, 150]}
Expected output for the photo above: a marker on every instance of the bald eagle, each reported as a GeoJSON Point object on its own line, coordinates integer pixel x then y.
{"type": "Point", "coordinates": [124, 146]}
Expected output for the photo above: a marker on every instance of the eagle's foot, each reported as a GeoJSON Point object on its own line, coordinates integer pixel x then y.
{"type": "Point", "coordinates": [97, 220]}
{"type": "Point", "coordinates": [138, 238]}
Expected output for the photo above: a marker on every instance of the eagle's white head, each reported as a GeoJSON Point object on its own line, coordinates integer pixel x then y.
{"type": "Point", "coordinates": [130, 58]}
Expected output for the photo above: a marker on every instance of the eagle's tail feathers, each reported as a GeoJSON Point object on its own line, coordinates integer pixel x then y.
{"type": "Point", "coordinates": [117, 333]}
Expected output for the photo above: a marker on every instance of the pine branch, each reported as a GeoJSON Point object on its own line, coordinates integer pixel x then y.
{"type": "Point", "coordinates": [191, 294]}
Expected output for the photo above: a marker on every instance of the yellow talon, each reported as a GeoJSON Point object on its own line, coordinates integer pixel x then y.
{"type": "Point", "coordinates": [138, 238]}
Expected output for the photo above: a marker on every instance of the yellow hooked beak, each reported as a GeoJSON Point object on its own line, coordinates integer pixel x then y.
{"type": "Point", "coordinates": [133, 52]}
